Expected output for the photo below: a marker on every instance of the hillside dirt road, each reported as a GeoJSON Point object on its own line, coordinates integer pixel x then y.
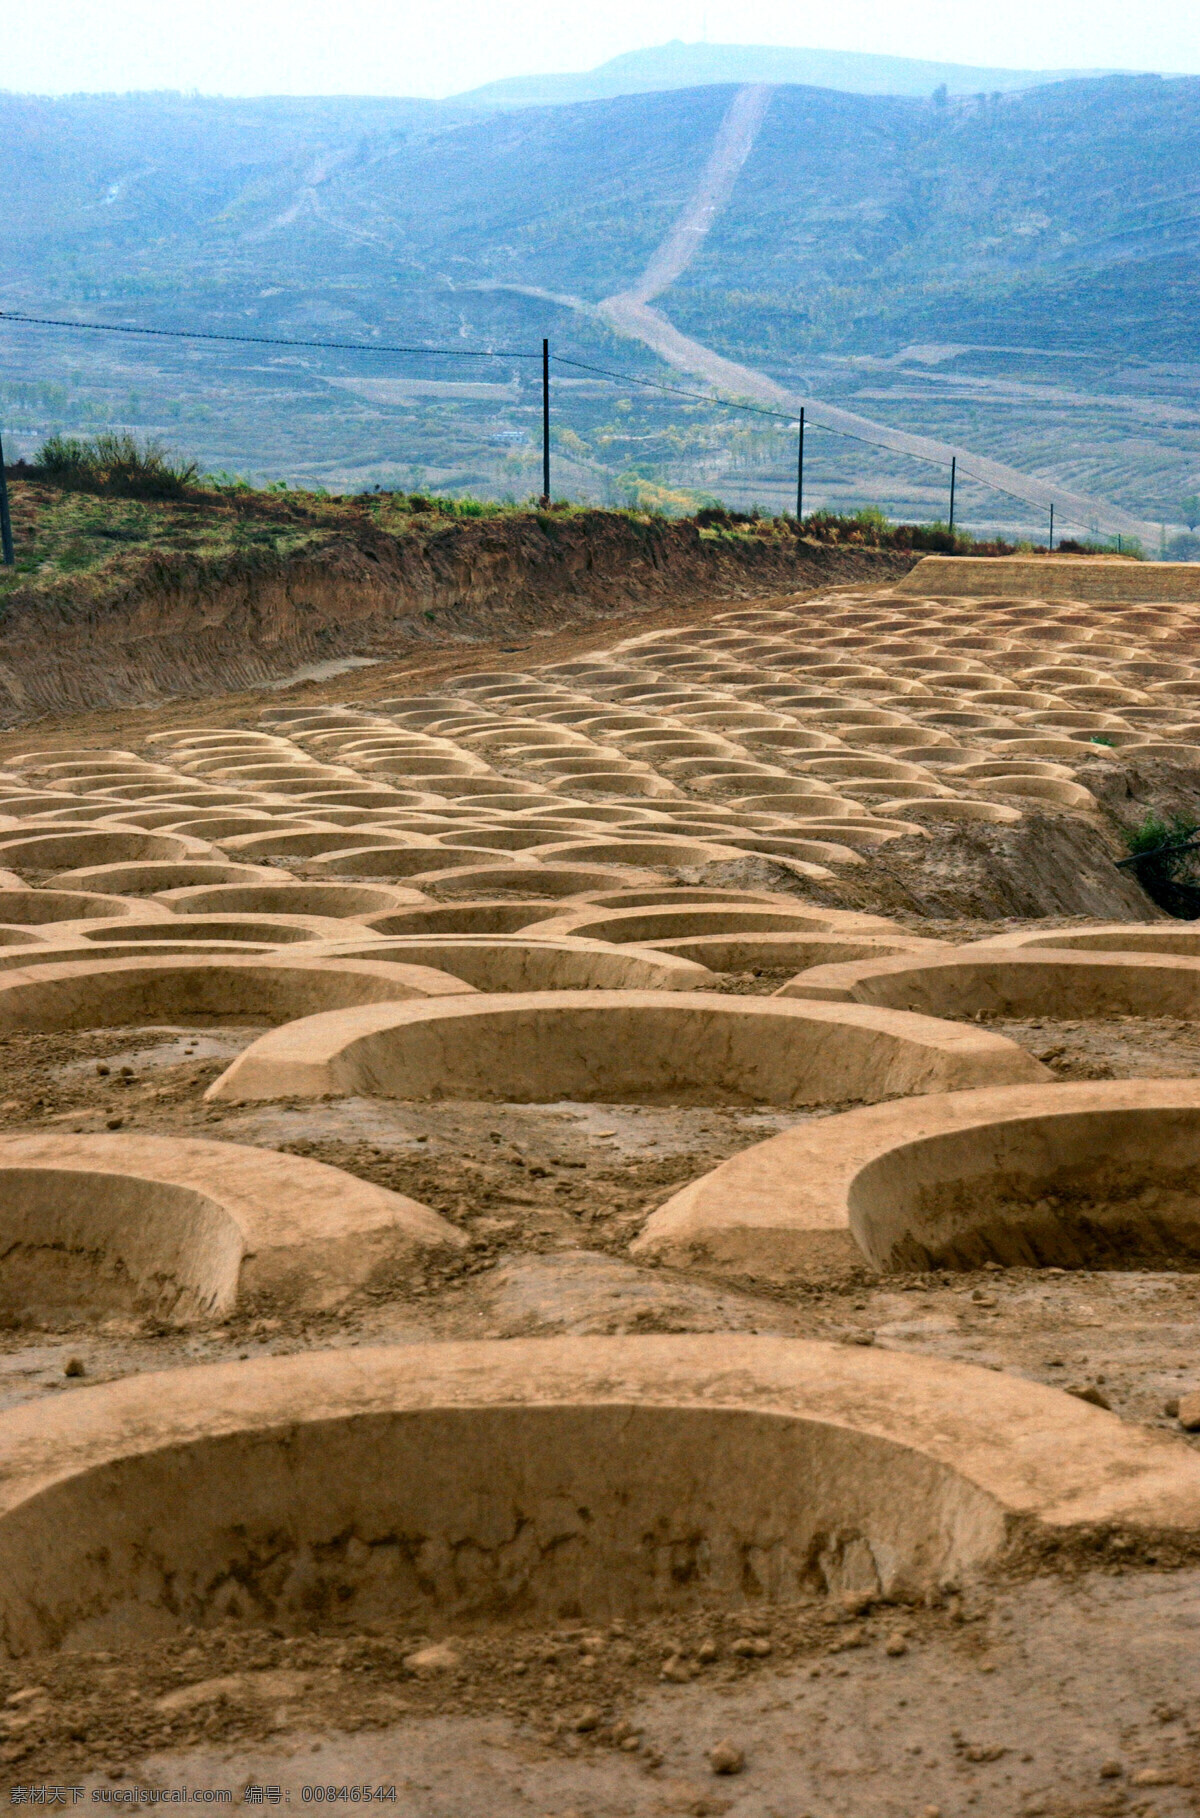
{"type": "Point", "coordinates": [631, 313]}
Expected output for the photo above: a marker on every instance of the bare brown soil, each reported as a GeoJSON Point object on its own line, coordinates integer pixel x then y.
{"type": "Point", "coordinates": [894, 1708]}
{"type": "Point", "coordinates": [176, 620]}
{"type": "Point", "coordinates": [1123, 1047]}
{"type": "Point", "coordinates": [412, 669]}
{"type": "Point", "coordinates": [1074, 1693]}
{"type": "Point", "coordinates": [1047, 866]}
{"type": "Point", "coordinates": [550, 1195]}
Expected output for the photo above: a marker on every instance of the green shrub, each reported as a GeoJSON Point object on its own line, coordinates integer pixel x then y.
{"type": "Point", "coordinates": [116, 464]}
{"type": "Point", "coordinates": [1166, 873]}
{"type": "Point", "coordinates": [874, 528]}
{"type": "Point", "coordinates": [224, 481]}
{"type": "Point", "coordinates": [1153, 832]}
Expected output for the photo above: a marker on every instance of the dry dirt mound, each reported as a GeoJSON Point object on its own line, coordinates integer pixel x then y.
{"type": "Point", "coordinates": [1043, 865]}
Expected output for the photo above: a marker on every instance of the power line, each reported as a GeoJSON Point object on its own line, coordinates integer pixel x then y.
{"type": "Point", "coordinates": [791, 416]}
{"type": "Point", "coordinates": [480, 353]}
{"type": "Point", "coordinates": [197, 334]}
{"type": "Point", "coordinates": [453, 353]}
{"type": "Point", "coordinates": [700, 397]}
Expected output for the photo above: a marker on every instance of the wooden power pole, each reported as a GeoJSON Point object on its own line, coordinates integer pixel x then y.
{"type": "Point", "coordinates": [545, 422]}
{"type": "Point", "coordinates": [6, 537]}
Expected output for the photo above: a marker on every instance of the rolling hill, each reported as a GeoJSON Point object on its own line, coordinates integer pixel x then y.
{"type": "Point", "coordinates": [1013, 272]}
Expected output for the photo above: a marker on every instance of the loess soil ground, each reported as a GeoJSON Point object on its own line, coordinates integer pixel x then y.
{"type": "Point", "coordinates": [1020, 1703]}
{"type": "Point", "coordinates": [1069, 1691]}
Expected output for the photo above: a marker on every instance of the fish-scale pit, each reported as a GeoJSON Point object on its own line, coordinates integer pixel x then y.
{"type": "Point", "coordinates": [547, 1198]}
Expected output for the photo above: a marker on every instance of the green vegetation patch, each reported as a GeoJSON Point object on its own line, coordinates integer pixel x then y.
{"type": "Point", "coordinates": [1166, 854]}
{"type": "Point", "coordinates": [116, 464]}
{"type": "Point", "coordinates": [60, 534]}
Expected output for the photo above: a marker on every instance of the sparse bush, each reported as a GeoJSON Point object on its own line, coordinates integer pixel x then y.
{"type": "Point", "coordinates": [934, 539]}
{"type": "Point", "coordinates": [716, 517]}
{"type": "Point", "coordinates": [1123, 546]}
{"type": "Point", "coordinates": [873, 529]}
{"type": "Point", "coordinates": [119, 465]}
{"type": "Point", "coordinates": [643, 493]}
{"type": "Point", "coordinates": [1154, 832]}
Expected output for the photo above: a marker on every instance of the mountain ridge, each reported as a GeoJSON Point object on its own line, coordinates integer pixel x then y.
{"type": "Point", "coordinates": [680, 65]}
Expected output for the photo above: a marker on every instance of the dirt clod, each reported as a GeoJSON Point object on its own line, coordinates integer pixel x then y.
{"type": "Point", "coordinates": [439, 1657]}
{"type": "Point", "coordinates": [726, 1758]}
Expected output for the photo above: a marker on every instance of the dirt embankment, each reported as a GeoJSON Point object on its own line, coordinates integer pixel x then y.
{"type": "Point", "coordinates": [1044, 865]}
{"type": "Point", "coordinates": [186, 624]}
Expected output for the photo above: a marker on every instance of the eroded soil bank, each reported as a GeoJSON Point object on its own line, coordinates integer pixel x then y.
{"type": "Point", "coordinates": [190, 613]}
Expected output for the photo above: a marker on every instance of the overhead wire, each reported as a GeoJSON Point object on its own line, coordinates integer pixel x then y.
{"type": "Point", "coordinates": [790, 416]}
{"type": "Point", "coordinates": [701, 397]}
{"type": "Point", "coordinates": [490, 353]}
{"type": "Point", "coordinates": [199, 334]}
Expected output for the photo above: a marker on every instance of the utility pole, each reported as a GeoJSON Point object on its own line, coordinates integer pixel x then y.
{"type": "Point", "coordinates": [545, 422]}
{"type": "Point", "coordinates": [1051, 529]}
{"type": "Point", "coordinates": [800, 472]}
{"type": "Point", "coordinates": [6, 542]}
{"type": "Point", "coordinates": [953, 478]}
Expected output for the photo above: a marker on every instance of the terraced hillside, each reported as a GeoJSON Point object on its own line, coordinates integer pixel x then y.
{"type": "Point", "coordinates": [1010, 274]}
{"type": "Point", "coordinates": [572, 1234]}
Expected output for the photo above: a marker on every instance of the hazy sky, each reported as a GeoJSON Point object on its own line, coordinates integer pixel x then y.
{"type": "Point", "coordinates": [435, 47]}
